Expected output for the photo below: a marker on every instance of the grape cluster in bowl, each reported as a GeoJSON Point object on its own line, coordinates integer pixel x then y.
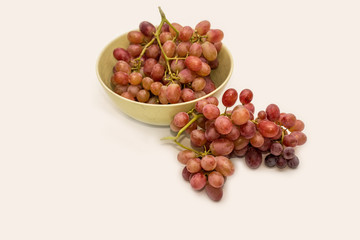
{"type": "Point", "coordinates": [167, 64]}
{"type": "Point", "coordinates": [216, 137]}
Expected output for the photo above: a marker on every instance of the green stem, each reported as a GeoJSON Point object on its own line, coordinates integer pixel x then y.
{"type": "Point", "coordinates": [196, 116]}
{"type": "Point", "coordinates": [187, 148]}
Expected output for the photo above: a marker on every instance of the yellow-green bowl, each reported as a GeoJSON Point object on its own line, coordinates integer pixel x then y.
{"type": "Point", "coordinates": [156, 114]}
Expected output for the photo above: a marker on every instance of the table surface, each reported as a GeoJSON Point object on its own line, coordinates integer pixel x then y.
{"type": "Point", "coordinates": [72, 166]}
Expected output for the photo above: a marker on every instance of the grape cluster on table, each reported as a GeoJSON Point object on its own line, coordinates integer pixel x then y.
{"type": "Point", "coordinates": [234, 133]}
{"type": "Point", "coordinates": [168, 64]}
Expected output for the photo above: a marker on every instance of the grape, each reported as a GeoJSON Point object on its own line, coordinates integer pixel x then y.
{"type": "Point", "coordinates": [119, 89]}
{"type": "Point", "coordinates": [214, 64]}
{"type": "Point", "coordinates": [177, 26]}
{"type": "Point", "coordinates": [186, 76]}
{"type": "Point", "coordinates": [257, 140]}
{"type": "Point", "coordinates": [221, 146]}
{"type": "Point", "coordinates": [288, 120]}
{"type": "Point", "coordinates": [279, 133]}
{"type": "Point", "coordinates": [250, 107]}
{"type": "Point", "coordinates": [223, 125]}
{"type": "Point", "coordinates": [195, 49]}
{"type": "Point", "coordinates": [197, 138]}
{"type": "Point", "coordinates": [266, 146]}
{"type": "Point", "coordinates": [143, 95]}
{"type": "Point", "coordinates": [146, 83]}
{"type": "Point", "coordinates": [128, 96]}
{"type": "Point", "coordinates": [241, 152]}
{"type": "Point", "coordinates": [121, 54]}
{"type": "Point", "coordinates": [288, 153]}
{"type": "Point", "coordinates": [281, 162]}
{"type": "Point", "coordinates": [211, 134]}
{"type": "Point", "coordinates": [187, 94]}
{"type": "Point", "coordinates": [148, 65]}
{"type": "Point", "coordinates": [214, 194]}
{"type": "Point", "coordinates": [123, 67]}
{"type": "Point", "coordinates": [169, 48]}
{"type": "Point", "coordinates": [209, 51]}
{"type": "Point", "coordinates": [193, 63]}
{"type": "Point", "coordinates": [134, 50]}
{"type": "Point", "coordinates": [155, 88]}
{"type": "Point", "coordinates": [211, 111]}
{"type": "Point", "coordinates": [135, 78]}
{"type": "Point", "coordinates": [202, 27]}
{"type": "Point", "coordinates": [193, 165]}
{"type": "Point", "coordinates": [270, 160]}
{"type": "Point", "coordinates": [185, 33]}
{"type": "Point", "coordinates": [246, 96]}
{"type": "Point", "coordinates": [293, 162]}
{"type": "Point", "coordinates": [215, 35]}
{"type": "Point", "coordinates": [216, 179]}
{"type": "Point", "coordinates": [165, 28]}
{"type": "Point", "coordinates": [210, 86]}
{"type": "Point", "coordinates": [134, 89]}
{"type": "Point", "coordinates": [153, 51]}
{"type": "Point", "coordinates": [208, 163]}
{"type": "Point", "coordinates": [135, 37]}
{"type": "Point", "coordinates": [218, 46]}
{"type": "Point", "coordinates": [199, 94]}
{"type": "Point", "coordinates": [200, 105]}
{"type": "Point", "coordinates": [212, 100]}
{"type": "Point", "coordinates": [185, 155]}
{"type": "Point", "coordinates": [267, 128]}
{"type": "Point", "coordinates": [162, 95]}
{"type": "Point", "coordinates": [198, 84]}
{"type": "Point", "coordinates": [183, 48]}
{"type": "Point", "coordinates": [276, 148]}
{"type": "Point", "coordinates": [174, 128]}
{"type": "Point", "coordinates": [177, 66]}
{"type": "Point", "coordinates": [253, 158]}
{"type": "Point", "coordinates": [153, 100]}
{"type": "Point", "coordinates": [173, 93]}
{"type": "Point", "coordinates": [229, 97]}
{"type": "Point", "coordinates": [224, 166]}
{"type": "Point", "coordinates": [204, 70]}
{"type": "Point", "coordinates": [290, 141]}
{"type": "Point", "coordinates": [298, 126]}
{"type": "Point", "coordinates": [248, 130]}
{"type": "Point", "coordinates": [300, 137]}
{"type": "Point", "coordinates": [262, 115]}
{"type": "Point", "coordinates": [240, 143]}
{"type": "Point", "coordinates": [181, 119]}
{"type": "Point", "coordinates": [165, 36]}
{"type": "Point", "coordinates": [234, 134]}
{"type": "Point", "coordinates": [186, 174]}
{"type": "Point", "coordinates": [121, 78]}
{"type": "Point", "coordinates": [147, 28]}
{"type": "Point", "coordinates": [198, 181]}
{"type": "Point", "coordinates": [273, 112]}
{"type": "Point", "coordinates": [240, 116]}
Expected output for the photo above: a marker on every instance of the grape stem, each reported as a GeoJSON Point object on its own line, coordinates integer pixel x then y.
{"type": "Point", "coordinates": [195, 117]}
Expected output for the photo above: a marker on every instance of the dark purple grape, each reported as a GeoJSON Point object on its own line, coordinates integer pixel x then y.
{"type": "Point", "coordinates": [288, 153]}
{"type": "Point", "coordinates": [270, 160]}
{"type": "Point", "coordinates": [273, 112]}
{"type": "Point", "coordinates": [293, 162]}
{"type": "Point", "coordinates": [253, 158]}
{"type": "Point", "coordinates": [281, 162]}
{"type": "Point", "coordinates": [186, 174]}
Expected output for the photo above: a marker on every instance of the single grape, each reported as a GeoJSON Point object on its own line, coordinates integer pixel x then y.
{"type": "Point", "coordinates": [279, 134]}
{"type": "Point", "coordinates": [211, 111]}
{"type": "Point", "coordinates": [240, 116]}
{"type": "Point", "coordinates": [123, 67]}
{"type": "Point", "coordinates": [199, 106]}
{"type": "Point", "coordinates": [293, 162]}
{"type": "Point", "coordinates": [288, 120]}
{"type": "Point", "coordinates": [134, 89]}
{"type": "Point", "coordinates": [181, 119]}
{"type": "Point", "coordinates": [276, 148]}
{"type": "Point", "coordinates": [262, 115]}
{"type": "Point", "coordinates": [203, 27]}
{"type": "Point", "coordinates": [290, 141]}
{"type": "Point", "coordinates": [163, 95]}
{"type": "Point", "coordinates": [246, 96]}
{"type": "Point", "coordinates": [221, 146]}
{"type": "Point", "coordinates": [165, 36]}
{"type": "Point", "coordinates": [216, 179]}
{"type": "Point", "coordinates": [298, 126]}
{"type": "Point", "coordinates": [121, 54]}
{"type": "Point", "coordinates": [240, 143]}
{"type": "Point", "coordinates": [173, 93]}
{"type": "Point", "coordinates": [210, 86]}
{"type": "Point", "coordinates": [186, 76]}
{"type": "Point", "coordinates": [229, 97]}
{"type": "Point", "coordinates": [187, 95]}
{"type": "Point", "coordinates": [224, 166]}
{"type": "Point", "coordinates": [193, 165]}
{"type": "Point", "coordinates": [266, 146]}
{"type": "Point", "coordinates": [214, 194]}
{"type": "Point", "coordinates": [199, 94]}
{"type": "Point", "coordinates": [241, 152]}
{"type": "Point", "coordinates": [148, 66]}
{"type": "Point", "coordinates": [208, 163]}
{"type": "Point", "coordinates": [143, 95]}
{"type": "Point", "coordinates": [185, 33]}
{"type": "Point", "coordinates": [183, 48]}
{"type": "Point", "coordinates": [153, 51]}
{"type": "Point", "coordinates": [257, 140]}
{"type": "Point", "coordinates": [169, 48]}
{"type": "Point", "coordinates": [253, 158]}
{"type": "Point", "coordinates": [250, 107]}
{"type": "Point", "coordinates": [273, 112]}
{"type": "Point", "coordinates": [121, 78]}
{"type": "Point", "coordinates": [185, 155]}
{"type": "Point", "coordinates": [128, 96]}
{"type": "Point", "coordinates": [197, 138]}
{"type": "Point", "coordinates": [153, 100]}
{"type": "Point", "coordinates": [300, 137]}
{"type": "Point", "coordinates": [198, 181]}
{"type": "Point", "coordinates": [214, 64]}
{"type": "Point", "coordinates": [135, 78]}
{"type": "Point", "coordinates": [119, 89]}
{"type": "Point", "coordinates": [209, 51]}
{"type": "Point", "coordinates": [223, 125]}
{"type": "Point", "coordinates": [135, 37]}
{"type": "Point", "coordinates": [195, 49]}
{"type": "Point", "coordinates": [193, 63]}
{"type": "Point", "coordinates": [205, 70]}
{"type": "Point", "coordinates": [212, 100]}
{"type": "Point", "coordinates": [281, 162]}
{"type": "Point", "coordinates": [155, 88]}
{"type": "Point", "coordinates": [270, 160]}
{"type": "Point", "coordinates": [211, 134]}
{"type": "Point", "coordinates": [248, 130]}
{"type": "Point", "coordinates": [268, 129]}
{"type": "Point", "coordinates": [186, 174]}
{"type": "Point", "coordinates": [147, 28]}
{"type": "Point", "coordinates": [174, 128]}
{"type": "Point", "coordinates": [234, 134]}
{"type": "Point", "coordinates": [198, 84]}
{"type": "Point", "coordinates": [146, 83]}
{"type": "Point", "coordinates": [215, 35]}
{"type": "Point", "coordinates": [288, 153]}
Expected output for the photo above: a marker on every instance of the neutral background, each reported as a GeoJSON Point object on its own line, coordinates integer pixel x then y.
{"type": "Point", "coordinates": [72, 166]}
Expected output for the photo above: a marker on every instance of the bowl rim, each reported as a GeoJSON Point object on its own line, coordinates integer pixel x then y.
{"type": "Point", "coordinates": [161, 105]}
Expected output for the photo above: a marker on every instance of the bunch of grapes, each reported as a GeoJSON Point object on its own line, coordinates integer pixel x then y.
{"type": "Point", "coordinates": [236, 132]}
{"type": "Point", "coordinates": [167, 64]}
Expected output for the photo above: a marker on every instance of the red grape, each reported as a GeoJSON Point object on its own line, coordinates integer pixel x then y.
{"type": "Point", "coordinates": [229, 97]}
{"type": "Point", "coordinates": [246, 96]}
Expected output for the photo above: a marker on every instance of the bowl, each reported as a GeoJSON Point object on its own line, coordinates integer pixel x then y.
{"type": "Point", "coordinates": [156, 114]}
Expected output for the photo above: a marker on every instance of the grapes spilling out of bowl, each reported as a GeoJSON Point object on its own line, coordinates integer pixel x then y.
{"type": "Point", "coordinates": [168, 64]}
{"type": "Point", "coordinates": [216, 137]}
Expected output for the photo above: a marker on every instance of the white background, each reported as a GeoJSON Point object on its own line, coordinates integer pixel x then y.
{"type": "Point", "coordinates": [72, 166]}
